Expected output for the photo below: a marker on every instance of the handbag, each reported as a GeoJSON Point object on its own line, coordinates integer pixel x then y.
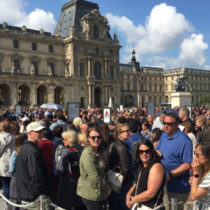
{"type": "Point", "coordinates": [139, 206]}
{"type": "Point", "coordinates": [115, 178]}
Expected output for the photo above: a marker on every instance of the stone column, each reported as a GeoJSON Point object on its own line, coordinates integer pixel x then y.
{"type": "Point", "coordinates": [89, 95]}
{"type": "Point", "coordinates": [50, 91]}
{"type": "Point", "coordinates": [33, 95]}
{"type": "Point", "coordinates": [106, 68]}
{"type": "Point", "coordinates": [105, 95]}
{"type": "Point", "coordinates": [14, 95]}
{"type": "Point", "coordinates": [89, 66]}
{"type": "Point", "coordinates": [93, 95]}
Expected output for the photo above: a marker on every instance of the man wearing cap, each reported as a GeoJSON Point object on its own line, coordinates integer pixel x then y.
{"type": "Point", "coordinates": [31, 171]}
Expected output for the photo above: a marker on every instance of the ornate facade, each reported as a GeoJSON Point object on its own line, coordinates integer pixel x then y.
{"type": "Point", "coordinates": [80, 63]}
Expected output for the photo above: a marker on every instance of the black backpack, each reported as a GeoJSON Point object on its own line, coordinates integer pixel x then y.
{"type": "Point", "coordinates": [73, 157]}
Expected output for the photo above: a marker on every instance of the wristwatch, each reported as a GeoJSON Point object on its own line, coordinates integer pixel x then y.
{"type": "Point", "coordinates": [131, 201]}
{"type": "Point", "coordinates": [196, 175]}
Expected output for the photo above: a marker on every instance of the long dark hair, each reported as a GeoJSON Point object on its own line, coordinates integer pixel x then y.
{"type": "Point", "coordinates": [205, 148]}
{"type": "Point", "coordinates": [154, 156]}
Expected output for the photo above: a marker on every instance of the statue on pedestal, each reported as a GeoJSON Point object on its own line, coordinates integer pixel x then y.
{"type": "Point", "coordinates": [180, 85]}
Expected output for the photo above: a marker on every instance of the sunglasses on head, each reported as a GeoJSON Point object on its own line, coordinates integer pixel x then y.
{"type": "Point", "coordinates": [169, 124]}
{"type": "Point", "coordinates": [147, 151]}
{"type": "Point", "coordinates": [95, 137]}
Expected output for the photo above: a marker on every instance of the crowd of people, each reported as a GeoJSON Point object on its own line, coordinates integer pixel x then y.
{"type": "Point", "coordinates": [159, 156]}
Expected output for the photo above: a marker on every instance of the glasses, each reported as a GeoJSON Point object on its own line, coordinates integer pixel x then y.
{"type": "Point", "coordinates": [147, 151]}
{"type": "Point", "coordinates": [197, 154]}
{"type": "Point", "coordinates": [95, 137]}
{"type": "Point", "coordinates": [169, 124]}
{"type": "Point", "coordinates": [125, 131]}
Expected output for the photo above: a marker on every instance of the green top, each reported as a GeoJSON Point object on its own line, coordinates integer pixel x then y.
{"type": "Point", "coordinates": [92, 184]}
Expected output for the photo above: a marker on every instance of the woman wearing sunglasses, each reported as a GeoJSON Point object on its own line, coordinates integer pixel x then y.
{"type": "Point", "coordinates": [200, 181]}
{"type": "Point", "coordinates": [93, 185]}
{"type": "Point", "coordinates": [147, 192]}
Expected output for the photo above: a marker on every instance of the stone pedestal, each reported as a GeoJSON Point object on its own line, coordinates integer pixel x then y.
{"type": "Point", "coordinates": [181, 99]}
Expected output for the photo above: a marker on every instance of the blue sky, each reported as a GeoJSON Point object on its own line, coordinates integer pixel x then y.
{"type": "Point", "coordinates": [166, 34]}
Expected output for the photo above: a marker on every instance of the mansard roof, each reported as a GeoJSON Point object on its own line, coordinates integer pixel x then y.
{"type": "Point", "coordinates": [71, 14]}
{"type": "Point", "coordinates": [23, 29]}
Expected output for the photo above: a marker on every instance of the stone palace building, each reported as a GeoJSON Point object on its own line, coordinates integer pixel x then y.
{"type": "Point", "coordinates": [80, 63]}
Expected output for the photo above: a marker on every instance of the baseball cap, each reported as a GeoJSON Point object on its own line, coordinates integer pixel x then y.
{"type": "Point", "coordinates": [35, 126]}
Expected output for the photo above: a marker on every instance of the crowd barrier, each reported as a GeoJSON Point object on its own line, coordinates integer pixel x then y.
{"type": "Point", "coordinates": [41, 199]}
{"type": "Point", "coordinates": [173, 203]}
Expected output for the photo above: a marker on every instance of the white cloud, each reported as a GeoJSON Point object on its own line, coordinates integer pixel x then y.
{"type": "Point", "coordinates": [164, 30]}
{"type": "Point", "coordinates": [193, 51]}
{"type": "Point", "coordinates": [12, 11]}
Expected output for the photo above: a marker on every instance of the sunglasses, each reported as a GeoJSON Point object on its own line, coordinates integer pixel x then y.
{"type": "Point", "coordinates": [169, 124]}
{"type": "Point", "coordinates": [147, 151]}
{"type": "Point", "coordinates": [95, 137]}
{"type": "Point", "coordinates": [125, 131]}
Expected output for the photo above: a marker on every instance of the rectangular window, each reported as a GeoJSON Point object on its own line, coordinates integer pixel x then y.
{"type": "Point", "coordinates": [82, 102]}
{"type": "Point", "coordinates": [35, 64]}
{"type": "Point", "coordinates": [82, 70]}
{"type": "Point", "coordinates": [34, 46]}
{"type": "Point", "coordinates": [51, 48]}
{"type": "Point", "coordinates": [52, 67]}
{"type": "Point", "coordinates": [17, 65]}
{"type": "Point", "coordinates": [16, 44]}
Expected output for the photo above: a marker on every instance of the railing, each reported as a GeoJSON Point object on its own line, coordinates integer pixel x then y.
{"type": "Point", "coordinates": [41, 199]}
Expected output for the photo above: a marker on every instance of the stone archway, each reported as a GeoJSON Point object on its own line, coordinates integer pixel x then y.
{"type": "Point", "coordinates": [5, 93]}
{"type": "Point", "coordinates": [129, 101]}
{"type": "Point", "coordinates": [59, 95]}
{"type": "Point", "coordinates": [24, 95]}
{"type": "Point", "coordinates": [41, 95]}
{"type": "Point", "coordinates": [97, 96]}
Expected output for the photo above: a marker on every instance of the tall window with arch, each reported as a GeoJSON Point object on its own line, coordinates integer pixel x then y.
{"type": "Point", "coordinates": [95, 32]}
{"type": "Point", "coordinates": [82, 69]}
{"type": "Point", "coordinates": [97, 70]}
{"type": "Point", "coordinates": [111, 72]}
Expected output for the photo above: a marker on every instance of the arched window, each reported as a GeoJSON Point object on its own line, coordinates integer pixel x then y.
{"type": "Point", "coordinates": [82, 69]}
{"type": "Point", "coordinates": [95, 32]}
{"type": "Point", "coordinates": [111, 72]}
{"type": "Point", "coordinates": [97, 70]}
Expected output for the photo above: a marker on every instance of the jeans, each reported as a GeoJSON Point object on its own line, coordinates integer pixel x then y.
{"type": "Point", "coordinates": [93, 205]}
{"type": "Point", "coordinates": [5, 185]}
{"type": "Point", "coordinates": [117, 201]}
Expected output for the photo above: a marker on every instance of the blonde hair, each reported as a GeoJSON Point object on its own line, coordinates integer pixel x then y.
{"type": "Point", "coordinates": [202, 119]}
{"type": "Point", "coordinates": [70, 136]}
{"type": "Point", "coordinates": [82, 139]}
{"type": "Point", "coordinates": [77, 122]}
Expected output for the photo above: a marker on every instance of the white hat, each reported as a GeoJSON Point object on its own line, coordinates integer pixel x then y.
{"type": "Point", "coordinates": [35, 126]}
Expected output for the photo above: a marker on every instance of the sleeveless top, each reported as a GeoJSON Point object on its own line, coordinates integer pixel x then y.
{"type": "Point", "coordinates": [142, 186]}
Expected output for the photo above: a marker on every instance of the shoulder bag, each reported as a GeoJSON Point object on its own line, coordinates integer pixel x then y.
{"type": "Point", "coordinates": [115, 178]}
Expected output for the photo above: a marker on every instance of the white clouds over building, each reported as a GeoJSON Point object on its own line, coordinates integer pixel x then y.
{"type": "Point", "coordinates": [165, 29]}
{"type": "Point", "coordinates": [12, 11]}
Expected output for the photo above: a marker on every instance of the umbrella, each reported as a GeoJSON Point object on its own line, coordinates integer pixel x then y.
{"type": "Point", "coordinates": [51, 106]}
